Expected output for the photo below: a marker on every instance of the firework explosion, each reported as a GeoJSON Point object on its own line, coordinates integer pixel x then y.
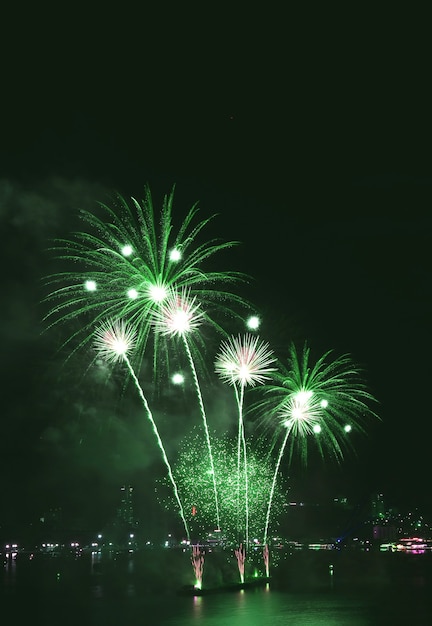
{"type": "Point", "coordinates": [124, 266]}
{"type": "Point", "coordinates": [194, 477]}
{"type": "Point", "coordinates": [243, 361]}
{"type": "Point", "coordinates": [113, 341]}
{"type": "Point", "coordinates": [318, 403]}
{"type": "Point", "coordinates": [145, 274]}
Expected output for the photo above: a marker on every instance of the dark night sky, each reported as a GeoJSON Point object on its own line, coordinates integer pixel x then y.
{"type": "Point", "coordinates": [314, 148]}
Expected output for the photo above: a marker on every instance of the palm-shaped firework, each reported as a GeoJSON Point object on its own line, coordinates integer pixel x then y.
{"type": "Point", "coordinates": [125, 264]}
{"type": "Point", "coordinates": [113, 341]}
{"type": "Point", "coordinates": [242, 361]}
{"type": "Point", "coordinates": [318, 402]}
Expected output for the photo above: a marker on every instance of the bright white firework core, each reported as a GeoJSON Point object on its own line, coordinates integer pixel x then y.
{"type": "Point", "coordinates": [90, 285]}
{"type": "Point", "coordinates": [324, 404]}
{"type": "Point", "coordinates": [178, 379]}
{"type": "Point", "coordinates": [253, 322]}
{"type": "Point", "coordinates": [119, 346]}
{"type": "Point", "coordinates": [303, 396]}
{"type": "Point", "coordinates": [178, 314]}
{"type": "Point", "coordinates": [316, 428]}
{"type": "Point", "coordinates": [175, 254]}
{"type": "Point", "coordinates": [132, 294]}
{"type": "Point", "coordinates": [298, 413]}
{"type": "Point", "coordinates": [244, 373]}
{"type": "Point", "coordinates": [347, 428]}
{"type": "Point", "coordinates": [127, 250]}
{"type": "Point", "coordinates": [157, 293]}
{"type": "Point", "coordinates": [180, 322]}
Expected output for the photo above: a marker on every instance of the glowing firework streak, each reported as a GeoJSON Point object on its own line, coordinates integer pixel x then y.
{"type": "Point", "coordinates": [197, 560]}
{"type": "Point", "coordinates": [241, 441]}
{"type": "Point", "coordinates": [113, 341]}
{"type": "Point", "coordinates": [240, 554]}
{"type": "Point", "coordinates": [243, 361]}
{"type": "Point", "coordinates": [266, 558]}
{"type": "Point", "coordinates": [178, 316]}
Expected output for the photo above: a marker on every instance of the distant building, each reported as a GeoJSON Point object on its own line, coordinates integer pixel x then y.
{"type": "Point", "coordinates": [122, 527]}
{"type": "Point", "coordinates": [125, 512]}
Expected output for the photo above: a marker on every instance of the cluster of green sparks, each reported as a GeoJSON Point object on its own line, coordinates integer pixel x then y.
{"type": "Point", "coordinates": [193, 475]}
{"type": "Point", "coordinates": [134, 281]}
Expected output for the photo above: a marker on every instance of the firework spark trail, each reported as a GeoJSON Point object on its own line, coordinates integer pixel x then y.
{"type": "Point", "coordinates": [241, 442]}
{"type": "Point", "coordinates": [240, 554]}
{"type": "Point", "coordinates": [178, 316]}
{"type": "Point", "coordinates": [197, 560]}
{"type": "Point", "coordinates": [159, 440]}
{"type": "Point", "coordinates": [207, 434]}
{"type": "Point", "coordinates": [267, 522]}
{"type": "Point", "coordinates": [302, 414]}
{"type": "Point", "coordinates": [243, 361]}
{"type": "Point", "coordinates": [266, 557]}
{"type": "Point", "coordinates": [112, 341]}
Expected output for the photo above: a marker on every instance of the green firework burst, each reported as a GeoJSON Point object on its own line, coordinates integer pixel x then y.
{"type": "Point", "coordinates": [123, 265]}
{"type": "Point", "coordinates": [193, 474]}
{"type": "Point", "coordinates": [319, 403]}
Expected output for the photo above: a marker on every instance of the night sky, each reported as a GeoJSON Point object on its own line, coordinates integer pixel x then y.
{"type": "Point", "coordinates": [312, 145]}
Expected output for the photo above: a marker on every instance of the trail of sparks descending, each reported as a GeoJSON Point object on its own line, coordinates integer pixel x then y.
{"type": "Point", "coordinates": [179, 315]}
{"type": "Point", "coordinates": [267, 521]}
{"type": "Point", "coordinates": [207, 434]}
{"type": "Point", "coordinates": [243, 361]}
{"type": "Point", "coordinates": [241, 443]}
{"type": "Point", "coordinates": [113, 340]}
{"type": "Point", "coordinates": [160, 444]}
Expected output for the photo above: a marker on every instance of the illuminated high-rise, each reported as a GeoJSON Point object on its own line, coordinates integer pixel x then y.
{"type": "Point", "coordinates": [125, 512]}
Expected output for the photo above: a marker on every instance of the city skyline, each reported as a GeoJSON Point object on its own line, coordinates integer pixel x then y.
{"type": "Point", "coordinates": [337, 521]}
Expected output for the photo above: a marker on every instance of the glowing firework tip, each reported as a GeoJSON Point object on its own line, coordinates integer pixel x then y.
{"type": "Point", "coordinates": [132, 294]}
{"type": "Point", "coordinates": [127, 250]}
{"type": "Point", "coordinates": [175, 255]}
{"type": "Point", "coordinates": [178, 379]}
{"type": "Point", "coordinates": [90, 285]}
{"type": "Point", "coordinates": [253, 322]}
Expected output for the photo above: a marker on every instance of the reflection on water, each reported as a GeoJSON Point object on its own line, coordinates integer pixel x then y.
{"type": "Point", "coordinates": [273, 609]}
{"type": "Point", "coordinates": [337, 589]}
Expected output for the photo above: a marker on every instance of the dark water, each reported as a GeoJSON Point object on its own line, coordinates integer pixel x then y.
{"type": "Point", "coordinates": [363, 590]}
